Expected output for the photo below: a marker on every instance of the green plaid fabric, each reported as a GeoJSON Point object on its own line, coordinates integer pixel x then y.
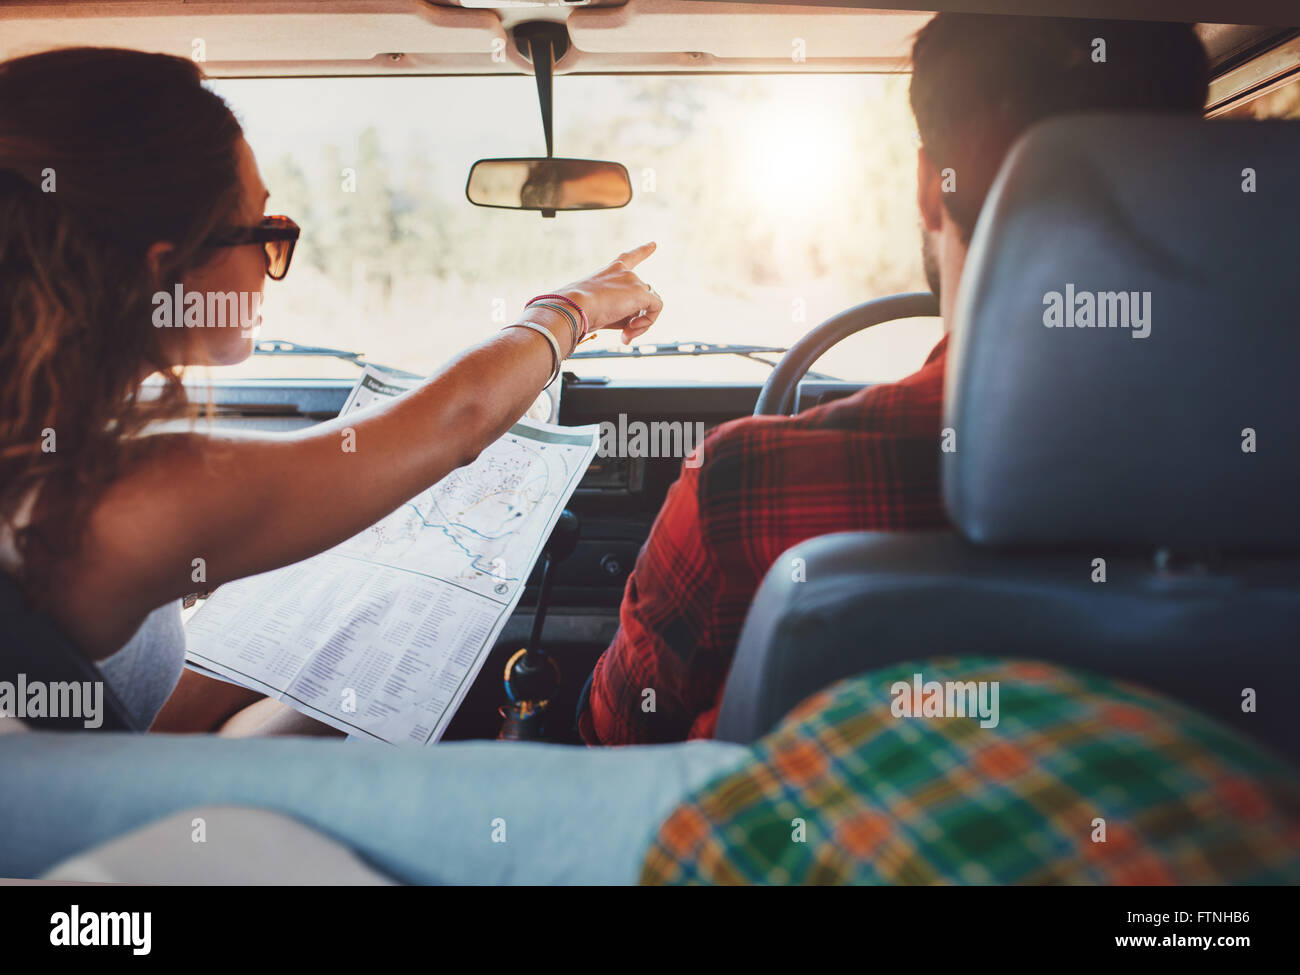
{"type": "Point", "coordinates": [847, 792]}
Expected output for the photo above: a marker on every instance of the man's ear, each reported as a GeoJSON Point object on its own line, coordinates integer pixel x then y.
{"type": "Point", "coordinates": [929, 192]}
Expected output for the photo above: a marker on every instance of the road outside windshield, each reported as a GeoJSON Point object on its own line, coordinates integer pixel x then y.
{"type": "Point", "coordinates": [777, 201]}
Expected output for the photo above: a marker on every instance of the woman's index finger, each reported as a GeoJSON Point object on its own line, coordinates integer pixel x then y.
{"type": "Point", "coordinates": [638, 254]}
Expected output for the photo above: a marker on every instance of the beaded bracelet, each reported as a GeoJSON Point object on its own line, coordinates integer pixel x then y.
{"type": "Point", "coordinates": [586, 325]}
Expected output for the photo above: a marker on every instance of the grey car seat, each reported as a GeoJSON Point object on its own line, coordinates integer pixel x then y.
{"type": "Point", "coordinates": [1160, 453]}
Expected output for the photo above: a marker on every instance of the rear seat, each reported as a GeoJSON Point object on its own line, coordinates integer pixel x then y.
{"type": "Point", "coordinates": [247, 847]}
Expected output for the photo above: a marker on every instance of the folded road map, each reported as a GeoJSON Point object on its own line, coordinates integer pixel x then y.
{"type": "Point", "coordinates": [382, 635]}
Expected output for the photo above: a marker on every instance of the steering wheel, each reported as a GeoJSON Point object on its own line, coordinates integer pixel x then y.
{"type": "Point", "coordinates": [778, 395]}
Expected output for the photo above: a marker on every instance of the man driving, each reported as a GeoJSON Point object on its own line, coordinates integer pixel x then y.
{"type": "Point", "coordinates": [869, 462]}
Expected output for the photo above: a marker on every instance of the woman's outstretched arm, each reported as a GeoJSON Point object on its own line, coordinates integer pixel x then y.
{"type": "Point", "coordinates": [247, 504]}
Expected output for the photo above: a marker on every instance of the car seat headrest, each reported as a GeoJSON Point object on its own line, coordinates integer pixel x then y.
{"type": "Point", "coordinates": [1126, 340]}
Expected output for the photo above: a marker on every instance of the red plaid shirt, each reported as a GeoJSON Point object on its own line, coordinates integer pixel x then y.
{"type": "Point", "coordinates": [869, 462]}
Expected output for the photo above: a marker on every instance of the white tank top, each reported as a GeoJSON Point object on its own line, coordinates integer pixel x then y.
{"type": "Point", "coordinates": [145, 671]}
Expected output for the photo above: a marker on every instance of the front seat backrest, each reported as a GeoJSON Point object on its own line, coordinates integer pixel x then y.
{"type": "Point", "coordinates": [1124, 495]}
{"type": "Point", "coordinates": [1079, 435]}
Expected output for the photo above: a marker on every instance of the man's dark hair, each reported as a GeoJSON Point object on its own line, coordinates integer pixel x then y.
{"type": "Point", "coordinates": [979, 81]}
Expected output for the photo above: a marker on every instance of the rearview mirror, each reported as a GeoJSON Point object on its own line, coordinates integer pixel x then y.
{"type": "Point", "coordinates": [549, 184]}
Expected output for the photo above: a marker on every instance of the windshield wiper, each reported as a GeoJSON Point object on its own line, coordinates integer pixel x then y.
{"type": "Point", "coordinates": [655, 350]}
{"type": "Point", "coordinates": [358, 359]}
{"type": "Point", "coordinates": [652, 350]}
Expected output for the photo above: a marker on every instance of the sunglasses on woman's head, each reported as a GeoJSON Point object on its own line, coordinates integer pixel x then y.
{"type": "Point", "coordinates": [276, 234]}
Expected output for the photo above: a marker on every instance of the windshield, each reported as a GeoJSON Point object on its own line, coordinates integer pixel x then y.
{"type": "Point", "coordinates": [776, 201]}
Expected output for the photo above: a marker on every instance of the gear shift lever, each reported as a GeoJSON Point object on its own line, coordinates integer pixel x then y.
{"type": "Point", "coordinates": [532, 676]}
